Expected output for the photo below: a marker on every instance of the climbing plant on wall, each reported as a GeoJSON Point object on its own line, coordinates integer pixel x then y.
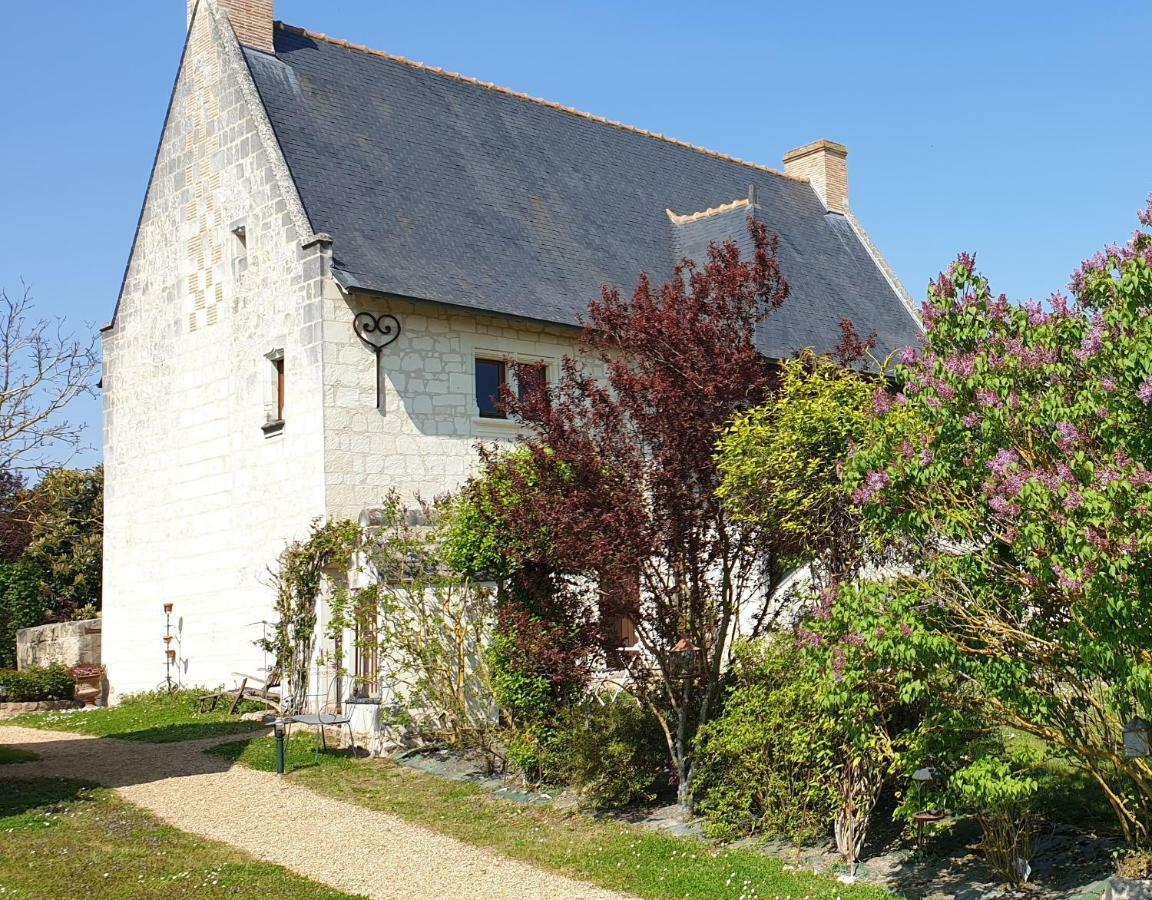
{"type": "Point", "coordinates": [300, 576]}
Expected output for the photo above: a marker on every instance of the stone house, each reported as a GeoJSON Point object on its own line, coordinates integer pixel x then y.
{"type": "Point", "coordinates": [305, 188]}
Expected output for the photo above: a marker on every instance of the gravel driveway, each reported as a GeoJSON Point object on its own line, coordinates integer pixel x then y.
{"type": "Point", "coordinates": [356, 850]}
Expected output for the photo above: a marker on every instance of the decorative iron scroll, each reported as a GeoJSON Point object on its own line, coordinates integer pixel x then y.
{"type": "Point", "coordinates": [377, 332]}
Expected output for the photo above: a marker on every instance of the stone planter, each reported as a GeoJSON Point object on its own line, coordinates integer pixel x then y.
{"type": "Point", "coordinates": [89, 681]}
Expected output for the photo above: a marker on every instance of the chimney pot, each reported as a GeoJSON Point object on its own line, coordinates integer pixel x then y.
{"type": "Point", "coordinates": [250, 19]}
{"type": "Point", "coordinates": [824, 164]}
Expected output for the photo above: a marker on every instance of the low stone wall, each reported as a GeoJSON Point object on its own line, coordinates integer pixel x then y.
{"type": "Point", "coordinates": [70, 643]}
{"type": "Point", "coordinates": [11, 710]}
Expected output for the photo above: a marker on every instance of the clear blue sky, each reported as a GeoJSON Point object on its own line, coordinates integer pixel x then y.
{"type": "Point", "coordinates": [1019, 130]}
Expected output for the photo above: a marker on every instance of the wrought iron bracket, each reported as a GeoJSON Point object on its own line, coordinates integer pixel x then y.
{"type": "Point", "coordinates": [377, 331]}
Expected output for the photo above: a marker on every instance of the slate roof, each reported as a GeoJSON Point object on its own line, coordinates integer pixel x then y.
{"type": "Point", "coordinates": [437, 187]}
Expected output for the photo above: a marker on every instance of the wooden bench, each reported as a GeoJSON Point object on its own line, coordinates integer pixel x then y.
{"type": "Point", "coordinates": [251, 687]}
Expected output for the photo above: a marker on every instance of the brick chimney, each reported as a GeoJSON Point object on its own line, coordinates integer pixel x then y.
{"type": "Point", "coordinates": [251, 20]}
{"type": "Point", "coordinates": [825, 165]}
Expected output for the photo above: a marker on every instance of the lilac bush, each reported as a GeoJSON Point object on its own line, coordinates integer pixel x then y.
{"type": "Point", "coordinates": [1009, 466]}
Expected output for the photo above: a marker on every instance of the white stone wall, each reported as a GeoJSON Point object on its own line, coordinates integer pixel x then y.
{"type": "Point", "coordinates": [199, 501]}
{"type": "Point", "coordinates": [423, 441]}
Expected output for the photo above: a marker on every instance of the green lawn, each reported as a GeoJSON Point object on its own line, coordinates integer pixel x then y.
{"type": "Point", "coordinates": [10, 755]}
{"type": "Point", "coordinates": [64, 839]}
{"type": "Point", "coordinates": [157, 717]}
{"type": "Point", "coordinates": [604, 852]}
{"type": "Point", "coordinates": [1066, 792]}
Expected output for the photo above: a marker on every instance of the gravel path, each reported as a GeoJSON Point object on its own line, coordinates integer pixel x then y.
{"type": "Point", "coordinates": [348, 847]}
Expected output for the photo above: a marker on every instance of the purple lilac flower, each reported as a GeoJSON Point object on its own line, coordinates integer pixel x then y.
{"type": "Point", "coordinates": [1145, 215]}
{"type": "Point", "coordinates": [988, 399]}
{"type": "Point", "coordinates": [1073, 501]}
{"type": "Point", "coordinates": [1002, 460]}
{"type": "Point", "coordinates": [1105, 476]}
{"type": "Point", "coordinates": [1004, 506]}
{"type": "Point", "coordinates": [827, 600]}
{"type": "Point", "coordinates": [1066, 435]}
{"type": "Point", "coordinates": [1145, 391]}
{"type": "Point", "coordinates": [971, 420]}
{"type": "Point", "coordinates": [855, 639]}
{"type": "Point", "coordinates": [1097, 540]}
{"type": "Point", "coordinates": [1092, 342]}
{"type": "Point", "coordinates": [1066, 581]}
{"type": "Point", "coordinates": [1107, 384]}
{"type": "Point", "coordinates": [905, 630]}
{"type": "Point", "coordinates": [999, 308]}
{"type": "Point", "coordinates": [1141, 477]}
{"type": "Point", "coordinates": [961, 366]}
{"type": "Point", "coordinates": [838, 662]}
{"type": "Point", "coordinates": [806, 638]}
{"type": "Point", "coordinates": [927, 457]}
{"type": "Point", "coordinates": [908, 356]}
{"type": "Point", "coordinates": [1036, 314]}
{"type": "Point", "coordinates": [874, 482]}
{"type": "Point", "coordinates": [881, 402]}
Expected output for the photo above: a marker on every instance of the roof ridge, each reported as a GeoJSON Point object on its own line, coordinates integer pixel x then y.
{"type": "Point", "coordinates": [705, 213]}
{"type": "Point", "coordinates": [499, 89]}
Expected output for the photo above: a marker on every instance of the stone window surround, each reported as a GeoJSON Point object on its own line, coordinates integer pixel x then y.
{"type": "Point", "coordinates": [512, 349]}
{"type": "Point", "coordinates": [273, 400]}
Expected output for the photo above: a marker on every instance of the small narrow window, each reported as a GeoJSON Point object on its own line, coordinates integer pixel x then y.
{"type": "Point", "coordinates": [491, 376]}
{"type": "Point", "coordinates": [239, 249]}
{"type": "Point", "coordinates": [274, 405]}
{"type": "Point", "coordinates": [278, 366]}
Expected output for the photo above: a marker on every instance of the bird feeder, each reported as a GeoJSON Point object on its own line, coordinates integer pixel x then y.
{"type": "Point", "coordinates": [682, 659]}
{"type": "Point", "coordinates": [1137, 738]}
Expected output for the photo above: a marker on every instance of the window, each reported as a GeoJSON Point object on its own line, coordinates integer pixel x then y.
{"type": "Point", "coordinates": [239, 249]}
{"type": "Point", "coordinates": [491, 376]}
{"type": "Point", "coordinates": [530, 377]}
{"type": "Point", "coordinates": [275, 395]}
{"type": "Point", "coordinates": [366, 668]}
{"type": "Point", "coordinates": [619, 606]}
{"type": "Point", "coordinates": [278, 366]}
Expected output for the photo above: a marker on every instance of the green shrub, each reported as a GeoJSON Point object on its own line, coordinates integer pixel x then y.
{"type": "Point", "coordinates": [1001, 796]}
{"type": "Point", "coordinates": [21, 606]}
{"type": "Point", "coordinates": [767, 764]}
{"type": "Point", "coordinates": [35, 683]}
{"type": "Point", "coordinates": [612, 751]}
